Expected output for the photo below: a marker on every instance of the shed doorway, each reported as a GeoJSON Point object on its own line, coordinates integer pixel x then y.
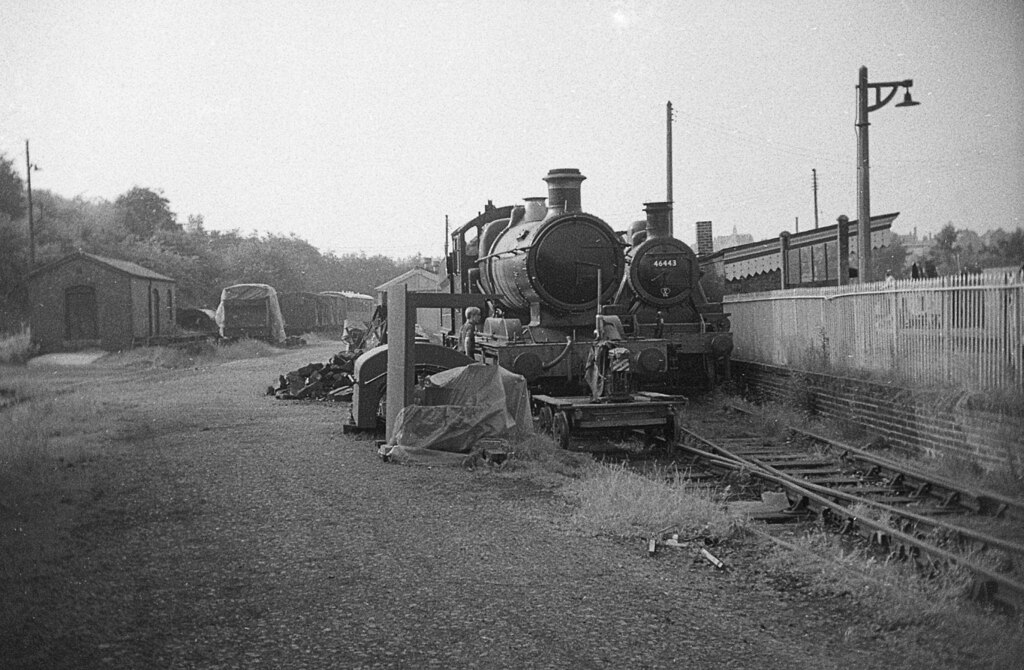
{"type": "Point", "coordinates": [154, 313]}
{"type": "Point", "coordinates": [80, 318]}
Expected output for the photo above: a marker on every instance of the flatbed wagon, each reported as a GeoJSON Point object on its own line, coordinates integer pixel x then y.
{"type": "Point", "coordinates": [564, 416]}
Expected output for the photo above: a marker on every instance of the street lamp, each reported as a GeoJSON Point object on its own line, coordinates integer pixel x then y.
{"type": "Point", "coordinates": [863, 183]}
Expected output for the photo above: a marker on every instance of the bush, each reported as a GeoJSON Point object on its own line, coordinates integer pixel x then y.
{"type": "Point", "coordinates": [17, 348]}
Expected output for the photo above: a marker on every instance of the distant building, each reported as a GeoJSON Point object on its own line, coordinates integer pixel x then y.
{"type": "Point", "coordinates": [734, 240]}
{"type": "Point", "coordinates": [417, 280]}
{"type": "Point", "coordinates": [85, 301]}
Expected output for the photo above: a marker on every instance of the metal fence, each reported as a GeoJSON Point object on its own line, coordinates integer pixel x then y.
{"type": "Point", "coordinates": [962, 331]}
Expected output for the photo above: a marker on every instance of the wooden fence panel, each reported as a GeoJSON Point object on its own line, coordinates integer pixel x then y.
{"type": "Point", "coordinates": [962, 331]}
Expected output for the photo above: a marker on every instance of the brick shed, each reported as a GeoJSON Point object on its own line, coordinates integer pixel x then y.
{"type": "Point", "coordinates": [87, 301]}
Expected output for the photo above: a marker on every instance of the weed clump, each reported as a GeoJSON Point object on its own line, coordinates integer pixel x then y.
{"type": "Point", "coordinates": [898, 594]}
{"type": "Point", "coordinates": [538, 454]}
{"type": "Point", "coordinates": [616, 501]}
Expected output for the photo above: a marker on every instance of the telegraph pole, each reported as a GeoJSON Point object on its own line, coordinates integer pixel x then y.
{"type": "Point", "coordinates": [814, 180]}
{"type": "Point", "coordinates": [31, 223]}
{"type": "Point", "coordinates": [863, 181]}
{"type": "Point", "coordinates": [668, 161]}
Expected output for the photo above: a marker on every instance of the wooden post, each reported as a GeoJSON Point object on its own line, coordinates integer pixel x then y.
{"type": "Point", "coordinates": [784, 259]}
{"type": "Point", "coordinates": [401, 364]}
{"type": "Point", "coordinates": [843, 250]}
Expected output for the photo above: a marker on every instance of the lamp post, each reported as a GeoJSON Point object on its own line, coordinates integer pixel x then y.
{"type": "Point", "coordinates": [863, 182]}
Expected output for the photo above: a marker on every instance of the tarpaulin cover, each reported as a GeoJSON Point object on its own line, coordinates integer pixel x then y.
{"type": "Point", "coordinates": [481, 402]}
{"type": "Point", "coordinates": [254, 293]}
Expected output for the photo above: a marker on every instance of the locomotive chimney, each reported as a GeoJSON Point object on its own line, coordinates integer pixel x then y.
{"type": "Point", "coordinates": [564, 189]}
{"type": "Point", "coordinates": [659, 219]}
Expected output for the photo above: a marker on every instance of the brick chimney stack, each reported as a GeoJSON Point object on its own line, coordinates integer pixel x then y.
{"type": "Point", "coordinates": [705, 240]}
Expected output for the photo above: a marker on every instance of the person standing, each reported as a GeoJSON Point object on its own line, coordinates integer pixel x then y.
{"type": "Point", "coordinates": [467, 335]}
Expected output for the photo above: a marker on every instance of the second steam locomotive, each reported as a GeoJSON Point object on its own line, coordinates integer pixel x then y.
{"type": "Point", "coordinates": [576, 306]}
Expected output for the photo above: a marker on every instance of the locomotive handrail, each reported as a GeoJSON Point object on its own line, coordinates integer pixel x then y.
{"type": "Point", "coordinates": [510, 252]}
{"type": "Point", "coordinates": [560, 357]}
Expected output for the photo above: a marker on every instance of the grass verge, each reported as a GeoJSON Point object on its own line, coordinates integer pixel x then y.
{"type": "Point", "coordinates": [900, 598]}
{"type": "Point", "coordinates": [193, 354]}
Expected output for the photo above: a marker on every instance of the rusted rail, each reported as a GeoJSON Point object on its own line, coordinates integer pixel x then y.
{"type": "Point", "coordinates": [978, 501]}
{"type": "Point", "coordinates": [829, 498]}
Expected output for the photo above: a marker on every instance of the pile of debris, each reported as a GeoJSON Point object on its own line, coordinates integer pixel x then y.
{"type": "Point", "coordinates": [319, 381]}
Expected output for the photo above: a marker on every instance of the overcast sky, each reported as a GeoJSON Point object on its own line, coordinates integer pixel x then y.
{"type": "Point", "coordinates": [358, 125]}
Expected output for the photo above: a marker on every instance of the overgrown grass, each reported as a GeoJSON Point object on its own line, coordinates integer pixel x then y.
{"type": "Point", "coordinates": [16, 348]}
{"type": "Point", "coordinates": [970, 474]}
{"type": "Point", "coordinates": [613, 500]}
{"type": "Point", "coordinates": [899, 596]}
{"type": "Point", "coordinates": [194, 354]}
{"type": "Point", "coordinates": [40, 429]}
{"type": "Point", "coordinates": [538, 456]}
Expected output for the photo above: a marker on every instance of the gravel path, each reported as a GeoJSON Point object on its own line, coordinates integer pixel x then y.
{"type": "Point", "coordinates": [223, 529]}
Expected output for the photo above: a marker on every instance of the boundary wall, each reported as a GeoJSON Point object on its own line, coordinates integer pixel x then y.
{"type": "Point", "coordinates": [915, 421]}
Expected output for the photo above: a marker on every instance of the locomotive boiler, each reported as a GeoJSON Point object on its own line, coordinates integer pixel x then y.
{"type": "Point", "coordinates": [551, 265]}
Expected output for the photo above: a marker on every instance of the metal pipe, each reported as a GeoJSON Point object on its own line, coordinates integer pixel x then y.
{"type": "Point", "coordinates": [560, 357]}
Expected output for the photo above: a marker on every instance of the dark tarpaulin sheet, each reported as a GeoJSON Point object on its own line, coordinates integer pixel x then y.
{"type": "Point", "coordinates": [481, 402]}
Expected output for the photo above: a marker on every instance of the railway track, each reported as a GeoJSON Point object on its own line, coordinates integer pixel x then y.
{"type": "Point", "coordinates": [912, 514]}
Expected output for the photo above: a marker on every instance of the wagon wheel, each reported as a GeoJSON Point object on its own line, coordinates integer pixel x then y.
{"type": "Point", "coordinates": [560, 429]}
{"type": "Point", "coordinates": [545, 419]}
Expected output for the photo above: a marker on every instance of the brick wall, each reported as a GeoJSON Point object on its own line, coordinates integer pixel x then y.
{"type": "Point", "coordinates": [932, 423]}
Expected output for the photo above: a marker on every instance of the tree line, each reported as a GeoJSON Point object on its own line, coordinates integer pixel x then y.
{"type": "Point", "coordinates": [952, 252]}
{"type": "Point", "coordinates": [958, 251]}
{"type": "Point", "coordinates": [140, 226]}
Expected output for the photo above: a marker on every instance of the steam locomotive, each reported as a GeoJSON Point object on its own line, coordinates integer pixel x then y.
{"type": "Point", "coordinates": [576, 307]}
